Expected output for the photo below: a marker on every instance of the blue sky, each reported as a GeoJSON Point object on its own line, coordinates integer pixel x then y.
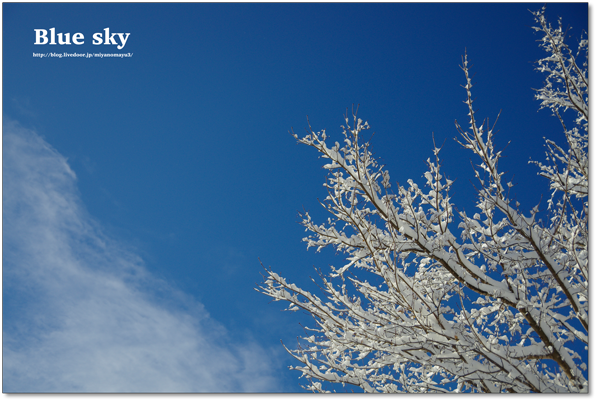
{"type": "Point", "coordinates": [140, 192]}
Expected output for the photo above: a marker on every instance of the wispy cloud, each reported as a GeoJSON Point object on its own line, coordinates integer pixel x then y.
{"type": "Point", "coordinates": [83, 314]}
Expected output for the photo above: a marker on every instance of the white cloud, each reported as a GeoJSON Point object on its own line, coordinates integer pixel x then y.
{"type": "Point", "coordinates": [83, 314]}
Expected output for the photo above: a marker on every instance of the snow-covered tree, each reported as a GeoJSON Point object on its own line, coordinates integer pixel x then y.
{"type": "Point", "coordinates": [433, 299]}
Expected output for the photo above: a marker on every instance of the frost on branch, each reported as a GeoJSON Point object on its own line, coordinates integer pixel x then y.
{"type": "Point", "coordinates": [435, 300]}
